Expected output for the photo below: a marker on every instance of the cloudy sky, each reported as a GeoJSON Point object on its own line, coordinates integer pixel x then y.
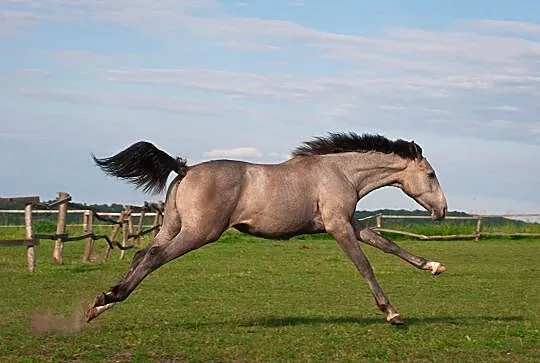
{"type": "Point", "coordinates": [251, 80]}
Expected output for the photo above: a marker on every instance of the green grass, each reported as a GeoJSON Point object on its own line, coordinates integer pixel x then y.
{"type": "Point", "coordinates": [245, 300]}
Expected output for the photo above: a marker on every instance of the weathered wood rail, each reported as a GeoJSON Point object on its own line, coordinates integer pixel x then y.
{"type": "Point", "coordinates": [476, 234]}
{"type": "Point", "coordinates": [123, 224]}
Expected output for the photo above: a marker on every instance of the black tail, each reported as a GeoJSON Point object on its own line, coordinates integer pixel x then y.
{"type": "Point", "coordinates": [144, 165]}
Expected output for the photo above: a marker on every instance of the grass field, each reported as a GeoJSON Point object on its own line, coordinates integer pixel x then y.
{"type": "Point", "coordinates": [244, 299]}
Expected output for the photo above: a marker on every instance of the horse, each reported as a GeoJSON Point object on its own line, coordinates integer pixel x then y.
{"type": "Point", "coordinates": [314, 191]}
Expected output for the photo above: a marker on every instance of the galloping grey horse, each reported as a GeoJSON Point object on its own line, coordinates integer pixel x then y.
{"type": "Point", "coordinates": [315, 191]}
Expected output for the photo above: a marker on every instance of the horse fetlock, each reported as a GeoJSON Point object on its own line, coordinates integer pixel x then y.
{"type": "Point", "coordinates": [392, 316]}
{"type": "Point", "coordinates": [116, 293]}
{"type": "Point", "coordinates": [436, 268]}
{"type": "Point", "coordinates": [395, 319]}
{"type": "Point", "coordinates": [100, 300]}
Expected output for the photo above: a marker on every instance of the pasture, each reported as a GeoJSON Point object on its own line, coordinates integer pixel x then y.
{"type": "Point", "coordinates": [243, 299]}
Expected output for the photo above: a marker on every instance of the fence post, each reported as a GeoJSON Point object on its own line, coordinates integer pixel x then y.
{"type": "Point", "coordinates": [131, 229]}
{"type": "Point", "coordinates": [30, 252]}
{"type": "Point", "coordinates": [158, 219]}
{"type": "Point", "coordinates": [478, 228]}
{"type": "Point", "coordinates": [140, 226]}
{"type": "Point", "coordinates": [113, 234]}
{"type": "Point", "coordinates": [88, 223]}
{"type": "Point", "coordinates": [126, 216]}
{"type": "Point", "coordinates": [60, 229]}
{"type": "Point", "coordinates": [378, 221]}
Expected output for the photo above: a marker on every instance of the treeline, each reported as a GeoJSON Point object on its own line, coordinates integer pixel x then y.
{"type": "Point", "coordinates": [492, 221]}
{"type": "Point", "coordinates": [18, 219]}
{"type": "Point", "coordinates": [114, 207]}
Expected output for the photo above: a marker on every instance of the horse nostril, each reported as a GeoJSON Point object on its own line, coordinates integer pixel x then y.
{"type": "Point", "coordinates": [445, 209]}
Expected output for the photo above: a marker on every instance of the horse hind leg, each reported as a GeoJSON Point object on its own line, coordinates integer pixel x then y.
{"type": "Point", "coordinates": [145, 262]}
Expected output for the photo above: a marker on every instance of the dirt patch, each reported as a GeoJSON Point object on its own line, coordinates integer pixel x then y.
{"type": "Point", "coordinates": [43, 322]}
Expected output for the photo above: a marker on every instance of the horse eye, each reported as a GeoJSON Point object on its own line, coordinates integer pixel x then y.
{"type": "Point", "coordinates": [431, 174]}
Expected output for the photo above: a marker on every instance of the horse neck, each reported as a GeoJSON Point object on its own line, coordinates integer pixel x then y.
{"type": "Point", "coordinates": [370, 170]}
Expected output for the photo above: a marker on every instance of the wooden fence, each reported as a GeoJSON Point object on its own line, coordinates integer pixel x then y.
{"type": "Point", "coordinates": [29, 241]}
{"type": "Point", "coordinates": [122, 226]}
{"type": "Point", "coordinates": [475, 234]}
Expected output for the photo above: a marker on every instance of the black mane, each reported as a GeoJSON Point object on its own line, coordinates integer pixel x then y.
{"type": "Point", "coordinates": [347, 142]}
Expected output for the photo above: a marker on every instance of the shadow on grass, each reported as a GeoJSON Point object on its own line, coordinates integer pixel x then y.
{"type": "Point", "coordinates": [284, 321]}
{"type": "Point", "coordinates": [85, 268]}
{"type": "Point", "coordinates": [273, 321]}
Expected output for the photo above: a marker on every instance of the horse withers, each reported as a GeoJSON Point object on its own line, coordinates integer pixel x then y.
{"type": "Point", "coordinates": [315, 191]}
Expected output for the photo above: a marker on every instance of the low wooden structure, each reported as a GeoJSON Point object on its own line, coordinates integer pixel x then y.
{"type": "Point", "coordinates": [122, 225]}
{"type": "Point", "coordinates": [475, 235]}
{"type": "Point", "coordinates": [29, 241]}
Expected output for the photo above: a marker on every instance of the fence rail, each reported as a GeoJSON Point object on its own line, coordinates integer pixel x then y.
{"type": "Point", "coordinates": [74, 211]}
{"type": "Point", "coordinates": [122, 225]}
{"type": "Point", "coordinates": [476, 234]}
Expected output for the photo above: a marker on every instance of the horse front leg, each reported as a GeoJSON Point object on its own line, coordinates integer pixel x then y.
{"type": "Point", "coordinates": [368, 236]}
{"type": "Point", "coordinates": [345, 236]}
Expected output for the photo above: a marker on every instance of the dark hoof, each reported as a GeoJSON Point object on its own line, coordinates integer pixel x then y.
{"type": "Point", "coordinates": [396, 320]}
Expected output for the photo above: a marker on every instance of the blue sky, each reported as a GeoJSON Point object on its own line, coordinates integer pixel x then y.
{"type": "Point", "coordinates": [251, 80]}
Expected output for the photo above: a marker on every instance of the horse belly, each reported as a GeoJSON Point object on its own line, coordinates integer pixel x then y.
{"type": "Point", "coordinates": [279, 228]}
{"type": "Point", "coordinates": [276, 202]}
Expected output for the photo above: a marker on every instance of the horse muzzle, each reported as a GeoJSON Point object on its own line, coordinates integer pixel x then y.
{"type": "Point", "coordinates": [438, 214]}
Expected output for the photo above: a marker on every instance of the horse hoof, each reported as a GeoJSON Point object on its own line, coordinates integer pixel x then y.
{"type": "Point", "coordinates": [436, 268]}
{"type": "Point", "coordinates": [396, 320]}
{"type": "Point", "coordinates": [90, 314]}
{"type": "Point", "coordinates": [94, 312]}
{"type": "Point", "coordinates": [439, 270]}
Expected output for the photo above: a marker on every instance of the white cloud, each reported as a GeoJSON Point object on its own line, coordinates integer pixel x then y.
{"type": "Point", "coordinates": [506, 25]}
{"type": "Point", "coordinates": [13, 21]}
{"type": "Point", "coordinates": [36, 72]}
{"type": "Point", "coordinates": [507, 108]}
{"type": "Point", "coordinates": [484, 205]}
{"type": "Point", "coordinates": [296, 3]}
{"type": "Point", "coordinates": [456, 80]}
{"type": "Point", "coordinates": [80, 56]}
{"type": "Point", "coordinates": [237, 152]}
{"type": "Point", "coordinates": [439, 104]}
{"type": "Point", "coordinates": [126, 100]}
